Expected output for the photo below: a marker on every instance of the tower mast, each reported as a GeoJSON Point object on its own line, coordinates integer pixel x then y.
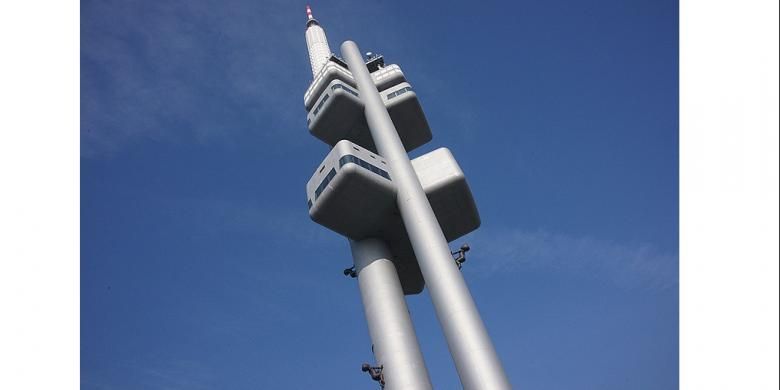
{"type": "Point", "coordinates": [399, 214]}
{"type": "Point", "coordinates": [317, 43]}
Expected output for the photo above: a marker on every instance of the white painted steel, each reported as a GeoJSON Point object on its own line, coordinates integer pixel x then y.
{"type": "Point", "coordinates": [317, 43]}
{"type": "Point", "coordinates": [384, 78]}
{"type": "Point", "coordinates": [359, 202]}
{"type": "Point", "coordinates": [475, 357]}
{"type": "Point", "coordinates": [395, 344]}
{"type": "Point", "coordinates": [337, 112]}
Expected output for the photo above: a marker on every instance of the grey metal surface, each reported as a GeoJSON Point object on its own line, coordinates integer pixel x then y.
{"type": "Point", "coordinates": [355, 201]}
{"type": "Point", "coordinates": [366, 200]}
{"type": "Point", "coordinates": [384, 78]}
{"type": "Point", "coordinates": [337, 115]}
{"type": "Point", "coordinates": [335, 110]}
{"type": "Point", "coordinates": [330, 71]}
{"type": "Point", "coordinates": [448, 193]}
{"type": "Point", "coordinates": [388, 76]}
{"type": "Point", "coordinates": [317, 43]}
{"type": "Point", "coordinates": [475, 357]}
{"type": "Point", "coordinates": [358, 202]}
{"type": "Point", "coordinates": [395, 344]}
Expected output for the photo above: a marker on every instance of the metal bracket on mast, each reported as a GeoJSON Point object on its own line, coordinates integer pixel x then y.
{"type": "Point", "coordinates": [460, 255]}
{"type": "Point", "coordinates": [351, 272]}
{"type": "Point", "coordinates": [375, 373]}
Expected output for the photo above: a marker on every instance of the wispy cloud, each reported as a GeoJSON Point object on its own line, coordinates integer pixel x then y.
{"type": "Point", "coordinates": [203, 71]}
{"type": "Point", "coordinates": [152, 372]}
{"type": "Point", "coordinates": [188, 71]}
{"type": "Point", "coordinates": [211, 218]}
{"type": "Point", "coordinates": [177, 374]}
{"type": "Point", "coordinates": [626, 265]}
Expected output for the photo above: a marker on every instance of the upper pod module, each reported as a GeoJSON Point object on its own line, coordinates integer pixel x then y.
{"type": "Point", "coordinates": [335, 111]}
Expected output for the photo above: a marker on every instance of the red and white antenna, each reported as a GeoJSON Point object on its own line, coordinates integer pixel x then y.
{"type": "Point", "coordinates": [317, 43]}
{"type": "Point", "coordinates": [308, 13]}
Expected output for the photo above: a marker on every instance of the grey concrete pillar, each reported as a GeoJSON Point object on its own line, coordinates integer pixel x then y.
{"type": "Point", "coordinates": [475, 357]}
{"type": "Point", "coordinates": [396, 347]}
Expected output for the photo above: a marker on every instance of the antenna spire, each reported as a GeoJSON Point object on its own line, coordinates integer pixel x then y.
{"type": "Point", "coordinates": [317, 43]}
{"type": "Point", "coordinates": [308, 12]}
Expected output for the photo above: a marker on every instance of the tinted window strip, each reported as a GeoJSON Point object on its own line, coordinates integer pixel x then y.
{"type": "Point", "coordinates": [399, 92]}
{"type": "Point", "coordinates": [344, 87]}
{"type": "Point", "coordinates": [319, 106]}
{"type": "Point", "coordinates": [357, 161]}
{"type": "Point", "coordinates": [324, 183]}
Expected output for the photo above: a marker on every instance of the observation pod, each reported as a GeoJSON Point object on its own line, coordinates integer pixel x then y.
{"type": "Point", "coordinates": [335, 111]}
{"type": "Point", "coordinates": [352, 193]}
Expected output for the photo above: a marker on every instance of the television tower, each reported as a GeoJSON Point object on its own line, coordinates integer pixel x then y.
{"type": "Point", "coordinates": [398, 214]}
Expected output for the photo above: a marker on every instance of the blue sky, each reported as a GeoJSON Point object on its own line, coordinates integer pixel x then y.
{"type": "Point", "coordinates": [201, 269]}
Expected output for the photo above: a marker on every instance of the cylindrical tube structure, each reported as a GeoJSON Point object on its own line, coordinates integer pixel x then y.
{"type": "Point", "coordinates": [395, 344]}
{"type": "Point", "coordinates": [317, 43]}
{"type": "Point", "coordinates": [475, 357]}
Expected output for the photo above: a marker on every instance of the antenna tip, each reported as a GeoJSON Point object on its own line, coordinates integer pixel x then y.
{"type": "Point", "coordinates": [308, 12]}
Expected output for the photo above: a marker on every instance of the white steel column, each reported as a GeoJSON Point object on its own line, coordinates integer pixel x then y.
{"type": "Point", "coordinates": [395, 344]}
{"type": "Point", "coordinates": [475, 357]}
{"type": "Point", "coordinates": [317, 43]}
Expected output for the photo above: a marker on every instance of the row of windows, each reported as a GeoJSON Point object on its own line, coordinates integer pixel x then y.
{"type": "Point", "coordinates": [342, 161]}
{"type": "Point", "coordinates": [352, 159]}
{"type": "Point", "coordinates": [327, 67]}
{"type": "Point", "coordinates": [386, 72]}
{"type": "Point", "coordinates": [398, 92]}
{"type": "Point", "coordinates": [324, 183]}
{"type": "Point", "coordinates": [344, 87]}
{"type": "Point", "coordinates": [372, 156]}
{"type": "Point", "coordinates": [319, 106]}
